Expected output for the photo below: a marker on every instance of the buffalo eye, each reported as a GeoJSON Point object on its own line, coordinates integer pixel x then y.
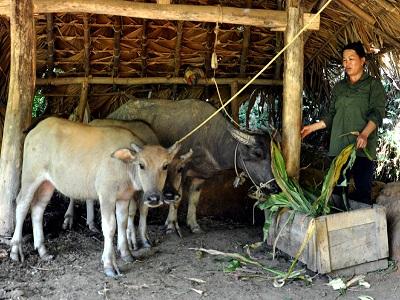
{"type": "Point", "coordinates": [141, 165]}
{"type": "Point", "coordinates": [258, 154]}
{"type": "Point", "coordinates": [165, 167]}
{"type": "Point", "coordinates": [180, 170]}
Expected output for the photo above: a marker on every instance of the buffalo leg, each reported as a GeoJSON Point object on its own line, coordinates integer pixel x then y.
{"type": "Point", "coordinates": [194, 196]}
{"type": "Point", "coordinates": [43, 196]}
{"type": "Point", "coordinates": [122, 222]}
{"type": "Point", "coordinates": [24, 199]}
{"type": "Point", "coordinates": [107, 208]}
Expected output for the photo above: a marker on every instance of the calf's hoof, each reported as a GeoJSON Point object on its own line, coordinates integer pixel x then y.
{"type": "Point", "coordinates": [128, 258]}
{"type": "Point", "coordinates": [196, 228]}
{"type": "Point", "coordinates": [93, 228]}
{"type": "Point", "coordinates": [16, 253]}
{"type": "Point", "coordinates": [68, 222]}
{"type": "Point", "coordinates": [146, 244]}
{"type": "Point", "coordinates": [110, 272]}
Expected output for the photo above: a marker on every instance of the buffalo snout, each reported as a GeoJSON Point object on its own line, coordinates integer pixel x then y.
{"type": "Point", "coordinates": [152, 199]}
{"type": "Point", "coordinates": [271, 188]}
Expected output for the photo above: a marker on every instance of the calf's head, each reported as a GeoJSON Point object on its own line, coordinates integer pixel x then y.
{"type": "Point", "coordinates": [147, 169]}
{"type": "Point", "coordinates": [173, 183]}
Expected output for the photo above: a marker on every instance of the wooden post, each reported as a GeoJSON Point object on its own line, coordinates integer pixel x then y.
{"type": "Point", "coordinates": [235, 102]}
{"type": "Point", "coordinates": [117, 48]}
{"type": "Point", "coordinates": [19, 108]}
{"type": "Point", "coordinates": [83, 100]}
{"type": "Point", "coordinates": [292, 91]}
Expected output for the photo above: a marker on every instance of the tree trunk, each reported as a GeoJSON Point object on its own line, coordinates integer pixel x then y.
{"type": "Point", "coordinates": [19, 108]}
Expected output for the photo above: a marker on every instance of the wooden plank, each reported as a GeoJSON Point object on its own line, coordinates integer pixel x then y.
{"type": "Point", "coordinates": [362, 268]}
{"type": "Point", "coordinates": [352, 246]}
{"type": "Point", "coordinates": [381, 235]}
{"type": "Point", "coordinates": [19, 108]}
{"type": "Point", "coordinates": [350, 219]}
{"type": "Point", "coordinates": [179, 12]}
{"type": "Point", "coordinates": [149, 80]}
{"type": "Point", "coordinates": [323, 255]}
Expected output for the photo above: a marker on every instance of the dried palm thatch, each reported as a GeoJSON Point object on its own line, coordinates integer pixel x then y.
{"type": "Point", "coordinates": [114, 46]}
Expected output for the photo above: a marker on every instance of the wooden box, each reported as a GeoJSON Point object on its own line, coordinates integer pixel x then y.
{"type": "Point", "coordinates": [346, 243]}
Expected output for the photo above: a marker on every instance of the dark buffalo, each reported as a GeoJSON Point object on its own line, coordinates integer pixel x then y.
{"type": "Point", "coordinates": [217, 145]}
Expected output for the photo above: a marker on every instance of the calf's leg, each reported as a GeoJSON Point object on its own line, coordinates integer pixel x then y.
{"type": "Point", "coordinates": [144, 210]}
{"type": "Point", "coordinates": [69, 215]}
{"type": "Point", "coordinates": [24, 199]}
{"type": "Point", "coordinates": [131, 230]}
{"type": "Point", "coordinates": [42, 198]}
{"type": "Point", "coordinates": [107, 208]}
{"type": "Point", "coordinates": [172, 220]}
{"type": "Point", "coordinates": [122, 222]}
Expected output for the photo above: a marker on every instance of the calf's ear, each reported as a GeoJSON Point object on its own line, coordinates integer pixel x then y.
{"type": "Point", "coordinates": [173, 150]}
{"type": "Point", "coordinates": [126, 155]}
{"type": "Point", "coordinates": [186, 157]}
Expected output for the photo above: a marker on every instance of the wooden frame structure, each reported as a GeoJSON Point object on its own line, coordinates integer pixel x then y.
{"type": "Point", "coordinates": [23, 70]}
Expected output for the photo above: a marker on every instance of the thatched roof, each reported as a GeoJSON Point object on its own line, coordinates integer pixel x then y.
{"type": "Point", "coordinates": [129, 47]}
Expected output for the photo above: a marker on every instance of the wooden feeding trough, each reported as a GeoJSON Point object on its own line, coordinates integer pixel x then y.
{"type": "Point", "coordinates": [346, 243]}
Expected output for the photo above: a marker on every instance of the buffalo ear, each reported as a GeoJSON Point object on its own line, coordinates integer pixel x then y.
{"type": "Point", "coordinates": [173, 150]}
{"type": "Point", "coordinates": [136, 148]}
{"type": "Point", "coordinates": [124, 154]}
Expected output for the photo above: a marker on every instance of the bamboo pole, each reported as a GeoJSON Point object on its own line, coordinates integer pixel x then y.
{"type": "Point", "coordinates": [177, 56]}
{"type": "Point", "coordinates": [117, 48]}
{"type": "Point", "coordinates": [292, 93]}
{"type": "Point", "coordinates": [143, 54]}
{"type": "Point", "coordinates": [179, 12]}
{"type": "Point", "coordinates": [19, 108]}
{"type": "Point", "coordinates": [148, 80]}
{"type": "Point", "coordinates": [50, 45]}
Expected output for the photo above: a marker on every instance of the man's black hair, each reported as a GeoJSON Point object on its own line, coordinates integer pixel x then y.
{"type": "Point", "coordinates": [356, 46]}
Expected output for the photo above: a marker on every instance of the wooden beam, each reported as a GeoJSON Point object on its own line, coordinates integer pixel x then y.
{"type": "Point", "coordinates": [292, 93]}
{"type": "Point", "coordinates": [143, 53]}
{"type": "Point", "coordinates": [209, 50]}
{"type": "Point", "coordinates": [117, 47]}
{"type": "Point", "coordinates": [86, 43]}
{"type": "Point", "coordinates": [50, 45]}
{"type": "Point", "coordinates": [19, 108]}
{"type": "Point", "coordinates": [278, 47]}
{"type": "Point", "coordinates": [149, 80]}
{"type": "Point", "coordinates": [198, 13]}
{"type": "Point", "coordinates": [177, 56]}
{"type": "Point", "coordinates": [245, 45]}
{"type": "Point", "coordinates": [164, 1]}
{"type": "Point", "coordinates": [356, 10]}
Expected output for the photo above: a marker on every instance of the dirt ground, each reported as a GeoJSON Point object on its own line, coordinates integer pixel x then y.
{"type": "Point", "coordinates": [171, 270]}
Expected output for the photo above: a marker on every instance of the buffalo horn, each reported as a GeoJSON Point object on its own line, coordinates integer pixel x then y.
{"type": "Point", "coordinates": [242, 137]}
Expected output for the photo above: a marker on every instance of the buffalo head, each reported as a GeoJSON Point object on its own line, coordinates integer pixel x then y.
{"type": "Point", "coordinates": [254, 157]}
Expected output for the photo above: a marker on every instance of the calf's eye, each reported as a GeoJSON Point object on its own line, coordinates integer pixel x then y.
{"type": "Point", "coordinates": [165, 167]}
{"type": "Point", "coordinates": [141, 166]}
